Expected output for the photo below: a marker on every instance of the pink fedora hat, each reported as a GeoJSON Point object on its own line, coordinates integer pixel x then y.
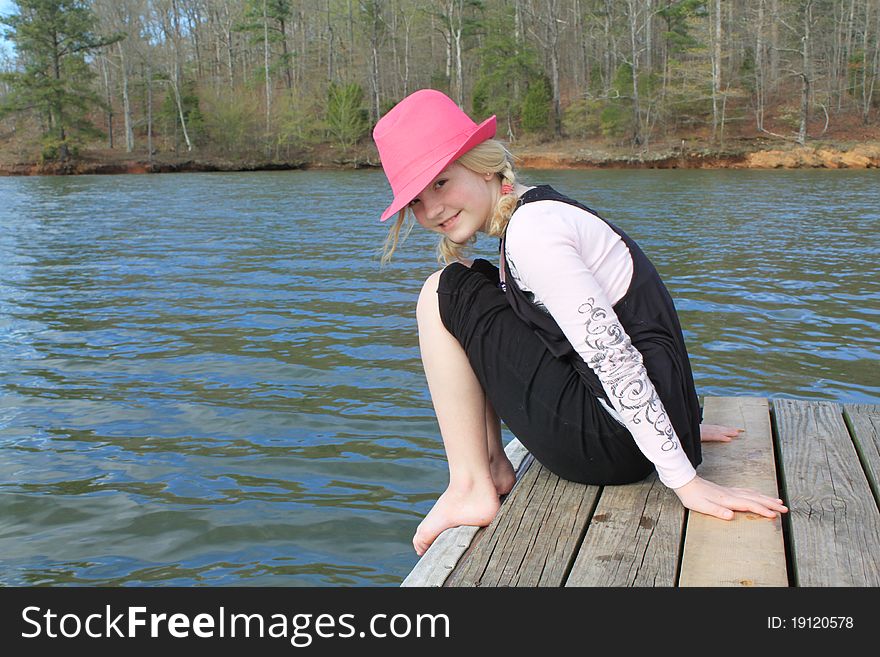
{"type": "Point", "coordinates": [419, 137]}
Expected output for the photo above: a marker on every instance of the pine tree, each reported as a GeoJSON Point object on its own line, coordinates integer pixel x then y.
{"type": "Point", "coordinates": [347, 119]}
{"type": "Point", "coordinates": [537, 106]}
{"type": "Point", "coordinates": [506, 66]}
{"type": "Point", "coordinates": [52, 38]}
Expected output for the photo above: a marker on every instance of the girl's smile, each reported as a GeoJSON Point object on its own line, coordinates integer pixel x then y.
{"type": "Point", "coordinates": [449, 223]}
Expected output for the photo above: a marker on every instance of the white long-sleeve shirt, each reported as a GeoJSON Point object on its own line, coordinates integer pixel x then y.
{"type": "Point", "coordinates": [576, 268]}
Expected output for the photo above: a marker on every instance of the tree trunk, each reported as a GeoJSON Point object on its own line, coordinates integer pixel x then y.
{"type": "Point", "coordinates": [58, 109]}
{"type": "Point", "coordinates": [637, 110]}
{"type": "Point", "coordinates": [553, 39]}
{"type": "Point", "coordinates": [806, 74]}
{"type": "Point", "coordinates": [716, 68]}
{"type": "Point", "coordinates": [230, 63]}
{"type": "Point", "coordinates": [330, 45]}
{"type": "Point", "coordinates": [266, 68]}
{"type": "Point", "coordinates": [285, 52]}
{"type": "Point", "coordinates": [774, 43]}
{"type": "Point", "coordinates": [149, 107]}
{"type": "Point", "coordinates": [374, 78]}
{"type": "Point", "coordinates": [606, 60]}
{"type": "Point", "coordinates": [759, 68]}
{"type": "Point", "coordinates": [109, 96]}
{"type": "Point", "coordinates": [175, 86]}
{"type": "Point", "coordinates": [868, 89]}
{"type": "Point", "coordinates": [459, 76]}
{"type": "Point", "coordinates": [126, 101]}
{"type": "Point", "coordinates": [407, 26]}
{"type": "Point", "coordinates": [448, 36]}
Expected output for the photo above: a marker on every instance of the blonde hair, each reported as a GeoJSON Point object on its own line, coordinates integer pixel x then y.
{"type": "Point", "coordinates": [490, 156]}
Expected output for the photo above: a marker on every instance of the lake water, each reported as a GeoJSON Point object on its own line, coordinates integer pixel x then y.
{"type": "Point", "coordinates": [207, 379]}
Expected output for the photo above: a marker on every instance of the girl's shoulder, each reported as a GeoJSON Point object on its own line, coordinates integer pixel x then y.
{"type": "Point", "coordinates": [539, 216]}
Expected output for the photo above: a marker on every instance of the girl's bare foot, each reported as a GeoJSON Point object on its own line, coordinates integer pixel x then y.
{"type": "Point", "coordinates": [716, 433]}
{"type": "Point", "coordinates": [474, 505]}
{"type": "Point", "coordinates": [503, 474]}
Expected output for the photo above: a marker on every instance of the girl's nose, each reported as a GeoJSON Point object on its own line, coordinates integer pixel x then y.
{"type": "Point", "coordinates": [433, 210]}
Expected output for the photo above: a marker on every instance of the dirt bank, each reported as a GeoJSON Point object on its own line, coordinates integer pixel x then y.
{"type": "Point", "coordinates": [120, 166]}
{"type": "Point", "coordinates": [861, 156]}
{"type": "Point", "coordinates": [557, 155]}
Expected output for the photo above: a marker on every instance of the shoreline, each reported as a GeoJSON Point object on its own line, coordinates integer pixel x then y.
{"type": "Point", "coordinates": [563, 155]}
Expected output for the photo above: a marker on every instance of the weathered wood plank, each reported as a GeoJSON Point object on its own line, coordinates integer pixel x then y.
{"type": "Point", "coordinates": [533, 540]}
{"type": "Point", "coordinates": [864, 424]}
{"type": "Point", "coordinates": [440, 559]}
{"type": "Point", "coordinates": [835, 524]}
{"type": "Point", "coordinates": [634, 538]}
{"type": "Point", "coordinates": [748, 550]}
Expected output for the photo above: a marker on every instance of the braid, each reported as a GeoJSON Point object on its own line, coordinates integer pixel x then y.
{"type": "Point", "coordinates": [491, 155]}
{"type": "Point", "coordinates": [506, 204]}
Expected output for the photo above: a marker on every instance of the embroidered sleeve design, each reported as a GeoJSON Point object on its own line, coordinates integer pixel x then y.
{"type": "Point", "coordinates": [620, 365]}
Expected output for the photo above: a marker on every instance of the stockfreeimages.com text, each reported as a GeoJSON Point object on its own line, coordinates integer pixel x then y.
{"type": "Point", "coordinates": [300, 629]}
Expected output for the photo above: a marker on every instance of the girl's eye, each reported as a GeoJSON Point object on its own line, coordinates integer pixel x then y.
{"type": "Point", "coordinates": [413, 202]}
{"type": "Point", "coordinates": [439, 183]}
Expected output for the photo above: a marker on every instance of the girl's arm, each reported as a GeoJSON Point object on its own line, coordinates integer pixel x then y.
{"type": "Point", "coordinates": [547, 258]}
{"type": "Point", "coordinates": [544, 249]}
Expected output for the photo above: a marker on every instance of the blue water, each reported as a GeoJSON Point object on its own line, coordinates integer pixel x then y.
{"type": "Point", "coordinates": [208, 379]}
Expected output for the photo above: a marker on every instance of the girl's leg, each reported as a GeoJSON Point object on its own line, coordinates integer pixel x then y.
{"type": "Point", "coordinates": [462, 413]}
{"type": "Point", "coordinates": [503, 474]}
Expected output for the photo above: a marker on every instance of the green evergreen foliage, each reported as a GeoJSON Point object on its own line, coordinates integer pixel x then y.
{"type": "Point", "coordinates": [347, 119]}
{"type": "Point", "coordinates": [387, 104]}
{"type": "Point", "coordinates": [299, 125]}
{"type": "Point", "coordinates": [506, 66]}
{"type": "Point", "coordinates": [278, 13]}
{"type": "Point", "coordinates": [583, 118]}
{"type": "Point", "coordinates": [232, 124]}
{"type": "Point", "coordinates": [440, 81]}
{"type": "Point", "coordinates": [678, 17]}
{"type": "Point", "coordinates": [615, 115]}
{"type": "Point", "coordinates": [537, 106]}
{"type": "Point", "coordinates": [615, 120]}
{"type": "Point", "coordinates": [53, 38]}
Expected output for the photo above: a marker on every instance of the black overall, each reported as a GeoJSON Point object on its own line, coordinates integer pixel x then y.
{"type": "Point", "coordinates": [544, 391]}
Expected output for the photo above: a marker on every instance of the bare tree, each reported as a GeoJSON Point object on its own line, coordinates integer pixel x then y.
{"type": "Point", "coordinates": [716, 66]}
{"type": "Point", "coordinates": [759, 67]}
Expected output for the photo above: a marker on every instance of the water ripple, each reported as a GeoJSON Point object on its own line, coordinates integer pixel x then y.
{"type": "Point", "coordinates": [209, 380]}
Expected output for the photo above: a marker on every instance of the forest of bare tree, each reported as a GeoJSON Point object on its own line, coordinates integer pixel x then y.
{"type": "Point", "coordinates": [280, 78]}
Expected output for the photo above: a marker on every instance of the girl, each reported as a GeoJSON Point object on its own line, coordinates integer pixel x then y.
{"type": "Point", "coordinates": [573, 340]}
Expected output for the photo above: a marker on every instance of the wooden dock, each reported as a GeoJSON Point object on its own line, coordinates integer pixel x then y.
{"type": "Point", "coordinates": [822, 458]}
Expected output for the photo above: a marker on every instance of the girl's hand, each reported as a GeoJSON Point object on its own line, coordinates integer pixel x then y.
{"type": "Point", "coordinates": [718, 433]}
{"type": "Point", "coordinates": [720, 501]}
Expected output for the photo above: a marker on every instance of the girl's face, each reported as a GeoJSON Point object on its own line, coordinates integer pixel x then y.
{"type": "Point", "coordinates": [457, 203]}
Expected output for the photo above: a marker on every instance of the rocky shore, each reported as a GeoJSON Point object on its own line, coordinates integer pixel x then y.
{"type": "Point", "coordinates": [542, 156]}
{"type": "Point", "coordinates": [861, 156]}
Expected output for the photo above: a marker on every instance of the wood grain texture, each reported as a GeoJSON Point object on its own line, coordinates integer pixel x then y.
{"type": "Point", "coordinates": [864, 424]}
{"type": "Point", "coordinates": [534, 538]}
{"type": "Point", "coordinates": [634, 538]}
{"type": "Point", "coordinates": [440, 559]}
{"type": "Point", "coordinates": [750, 549]}
{"type": "Point", "coordinates": [835, 523]}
